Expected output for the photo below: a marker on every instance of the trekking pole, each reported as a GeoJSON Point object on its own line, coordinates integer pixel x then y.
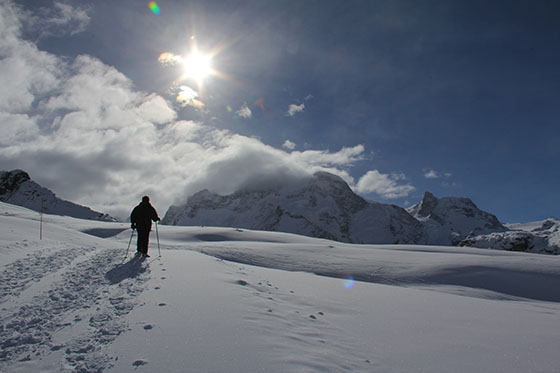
{"type": "Point", "coordinates": [129, 241]}
{"type": "Point", "coordinates": [157, 235]}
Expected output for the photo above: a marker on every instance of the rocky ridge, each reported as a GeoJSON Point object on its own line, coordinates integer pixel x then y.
{"type": "Point", "coordinates": [17, 188]}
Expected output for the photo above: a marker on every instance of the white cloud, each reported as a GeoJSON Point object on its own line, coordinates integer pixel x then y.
{"type": "Point", "coordinates": [432, 174]}
{"type": "Point", "coordinates": [388, 186]}
{"type": "Point", "coordinates": [244, 112]}
{"type": "Point", "coordinates": [65, 15]}
{"type": "Point", "coordinates": [294, 109]}
{"type": "Point", "coordinates": [169, 59]}
{"type": "Point", "coordinates": [81, 129]}
{"type": "Point", "coordinates": [156, 110]}
{"type": "Point", "coordinates": [62, 18]}
{"type": "Point", "coordinates": [289, 145]}
{"type": "Point", "coordinates": [17, 128]}
{"type": "Point", "coordinates": [189, 97]}
{"type": "Point", "coordinates": [345, 156]}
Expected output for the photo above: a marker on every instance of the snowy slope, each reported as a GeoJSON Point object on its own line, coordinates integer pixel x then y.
{"type": "Point", "coordinates": [71, 302]}
{"type": "Point", "coordinates": [322, 206]}
{"type": "Point", "coordinates": [16, 187]}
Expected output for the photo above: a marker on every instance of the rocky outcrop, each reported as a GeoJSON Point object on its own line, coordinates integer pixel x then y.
{"type": "Point", "coordinates": [541, 237]}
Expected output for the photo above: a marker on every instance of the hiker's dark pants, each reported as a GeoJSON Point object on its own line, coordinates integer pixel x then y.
{"type": "Point", "coordinates": [142, 241]}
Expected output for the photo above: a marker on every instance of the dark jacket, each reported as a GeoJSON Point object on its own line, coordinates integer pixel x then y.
{"type": "Point", "coordinates": [142, 216]}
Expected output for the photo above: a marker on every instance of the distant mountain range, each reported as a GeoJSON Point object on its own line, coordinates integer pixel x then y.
{"type": "Point", "coordinates": [17, 188]}
{"type": "Point", "coordinates": [324, 206]}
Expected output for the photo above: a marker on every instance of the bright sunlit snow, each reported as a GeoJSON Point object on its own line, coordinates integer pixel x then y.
{"type": "Point", "coordinates": [232, 300]}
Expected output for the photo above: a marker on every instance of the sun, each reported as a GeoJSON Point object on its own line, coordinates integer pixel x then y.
{"type": "Point", "coordinates": [197, 66]}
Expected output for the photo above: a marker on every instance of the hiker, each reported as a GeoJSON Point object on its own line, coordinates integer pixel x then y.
{"type": "Point", "coordinates": [141, 220]}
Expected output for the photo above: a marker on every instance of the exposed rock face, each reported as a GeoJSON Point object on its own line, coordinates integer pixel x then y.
{"type": "Point", "coordinates": [17, 188]}
{"type": "Point", "coordinates": [449, 220]}
{"type": "Point", "coordinates": [322, 206]}
{"type": "Point", "coordinates": [10, 182]}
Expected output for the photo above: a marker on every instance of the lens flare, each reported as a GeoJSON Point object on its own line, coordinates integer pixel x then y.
{"type": "Point", "coordinates": [349, 282]}
{"type": "Point", "coordinates": [260, 103]}
{"type": "Point", "coordinates": [154, 7]}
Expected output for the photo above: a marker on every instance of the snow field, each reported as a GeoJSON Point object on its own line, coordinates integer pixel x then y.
{"type": "Point", "coordinates": [71, 302]}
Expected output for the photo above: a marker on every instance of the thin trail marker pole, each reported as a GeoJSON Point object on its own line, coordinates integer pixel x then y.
{"type": "Point", "coordinates": [157, 235]}
{"type": "Point", "coordinates": [129, 241]}
{"type": "Point", "coordinates": [41, 225]}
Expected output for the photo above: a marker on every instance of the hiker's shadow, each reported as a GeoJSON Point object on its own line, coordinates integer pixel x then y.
{"type": "Point", "coordinates": [131, 269]}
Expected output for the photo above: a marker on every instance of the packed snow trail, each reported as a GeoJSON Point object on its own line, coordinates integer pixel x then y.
{"type": "Point", "coordinates": [18, 275]}
{"type": "Point", "coordinates": [77, 282]}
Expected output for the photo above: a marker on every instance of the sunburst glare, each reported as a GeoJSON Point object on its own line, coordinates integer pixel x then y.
{"type": "Point", "coordinates": [197, 66]}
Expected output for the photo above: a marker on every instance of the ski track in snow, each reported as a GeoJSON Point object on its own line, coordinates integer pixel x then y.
{"type": "Point", "coordinates": [102, 285]}
{"type": "Point", "coordinates": [17, 276]}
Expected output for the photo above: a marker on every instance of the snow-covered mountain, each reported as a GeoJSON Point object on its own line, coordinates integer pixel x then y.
{"type": "Point", "coordinates": [321, 206]}
{"type": "Point", "coordinates": [449, 220]}
{"type": "Point", "coordinates": [324, 206]}
{"type": "Point", "coordinates": [17, 188]}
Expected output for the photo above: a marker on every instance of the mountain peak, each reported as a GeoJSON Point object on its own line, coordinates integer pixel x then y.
{"type": "Point", "coordinates": [326, 176]}
{"type": "Point", "coordinates": [322, 206]}
{"type": "Point", "coordinates": [428, 204]}
{"type": "Point", "coordinates": [11, 180]}
{"type": "Point", "coordinates": [17, 188]}
{"type": "Point", "coordinates": [449, 219]}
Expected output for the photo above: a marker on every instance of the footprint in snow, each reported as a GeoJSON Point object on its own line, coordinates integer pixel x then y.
{"type": "Point", "coordinates": [139, 363]}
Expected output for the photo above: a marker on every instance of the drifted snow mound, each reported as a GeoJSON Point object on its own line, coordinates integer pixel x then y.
{"type": "Point", "coordinates": [538, 237]}
{"type": "Point", "coordinates": [449, 220]}
{"type": "Point", "coordinates": [321, 206]}
{"type": "Point", "coordinates": [17, 188]}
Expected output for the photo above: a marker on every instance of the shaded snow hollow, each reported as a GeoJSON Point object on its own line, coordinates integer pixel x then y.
{"type": "Point", "coordinates": [73, 302]}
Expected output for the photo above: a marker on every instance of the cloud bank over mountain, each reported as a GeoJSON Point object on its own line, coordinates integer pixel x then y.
{"type": "Point", "coordinates": [81, 128]}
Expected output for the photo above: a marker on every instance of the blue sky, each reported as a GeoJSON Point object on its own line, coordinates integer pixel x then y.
{"type": "Point", "coordinates": [397, 97]}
